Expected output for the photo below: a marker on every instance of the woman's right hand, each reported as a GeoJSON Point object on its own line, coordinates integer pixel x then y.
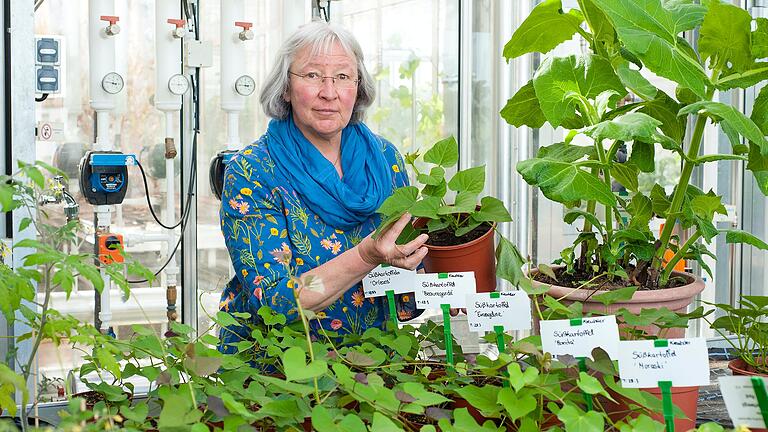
{"type": "Point", "coordinates": [384, 250]}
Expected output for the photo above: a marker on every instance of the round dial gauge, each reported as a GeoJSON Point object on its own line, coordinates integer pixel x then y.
{"type": "Point", "coordinates": [112, 83]}
{"type": "Point", "coordinates": [245, 85]}
{"type": "Point", "coordinates": [178, 84]}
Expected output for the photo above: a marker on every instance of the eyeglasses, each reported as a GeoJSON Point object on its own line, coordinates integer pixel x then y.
{"type": "Point", "coordinates": [340, 81]}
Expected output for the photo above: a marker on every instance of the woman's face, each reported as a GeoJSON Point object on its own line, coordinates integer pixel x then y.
{"type": "Point", "coordinates": [321, 112]}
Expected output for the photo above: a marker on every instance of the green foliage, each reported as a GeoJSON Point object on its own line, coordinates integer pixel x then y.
{"type": "Point", "coordinates": [582, 93]}
{"type": "Point", "coordinates": [460, 216]}
{"type": "Point", "coordinates": [746, 330]}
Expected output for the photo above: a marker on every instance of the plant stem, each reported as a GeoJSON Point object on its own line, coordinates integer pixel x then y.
{"type": "Point", "coordinates": [677, 257]}
{"type": "Point", "coordinates": [607, 179]}
{"type": "Point", "coordinates": [27, 369]}
{"type": "Point", "coordinates": [309, 342]}
{"type": "Point", "coordinates": [679, 194]}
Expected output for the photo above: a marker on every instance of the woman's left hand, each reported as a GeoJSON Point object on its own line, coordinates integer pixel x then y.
{"type": "Point", "coordinates": [384, 250]}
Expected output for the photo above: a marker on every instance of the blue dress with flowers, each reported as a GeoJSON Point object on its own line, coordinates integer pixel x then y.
{"type": "Point", "coordinates": [272, 235]}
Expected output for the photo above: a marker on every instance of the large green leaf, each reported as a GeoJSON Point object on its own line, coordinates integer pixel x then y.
{"type": "Point", "coordinates": [759, 46]}
{"type": "Point", "coordinates": [665, 109]}
{"type": "Point", "coordinates": [545, 28]}
{"type": "Point", "coordinates": [296, 368]}
{"type": "Point", "coordinates": [643, 156]}
{"type": "Point", "coordinates": [757, 72]}
{"type": "Point", "coordinates": [400, 201]}
{"type": "Point", "coordinates": [577, 421]}
{"type": "Point", "coordinates": [468, 180]}
{"type": "Point", "coordinates": [516, 406]}
{"type": "Point", "coordinates": [725, 36]}
{"type": "Point", "coordinates": [626, 175]}
{"type": "Point", "coordinates": [523, 108]}
{"type": "Point", "coordinates": [602, 30]}
{"type": "Point", "coordinates": [636, 82]}
{"type": "Point", "coordinates": [660, 200]}
{"type": "Point", "coordinates": [435, 177]}
{"type": "Point", "coordinates": [510, 263]}
{"type": "Point", "coordinates": [641, 209]}
{"type": "Point", "coordinates": [626, 127]}
{"type": "Point", "coordinates": [738, 236]}
{"type": "Point", "coordinates": [559, 80]}
{"type": "Point", "coordinates": [760, 110]}
{"type": "Point", "coordinates": [735, 119]}
{"type": "Point", "coordinates": [650, 32]}
{"type": "Point", "coordinates": [758, 164]}
{"type": "Point", "coordinates": [565, 182]}
{"type": "Point", "coordinates": [426, 207]}
{"type": "Point", "coordinates": [465, 203]}
{"type": "Point", "coordinates": [492, 210]}
{"type": "Point", "coordinates": [444, 153]}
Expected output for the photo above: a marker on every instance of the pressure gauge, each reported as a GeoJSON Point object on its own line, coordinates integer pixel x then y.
{"type": "Point", "coordinates": [245, 85]}
{"type": "Point", "coordinates": [178, 84]}
{"type": "Point", "coordinates": [112, 83]}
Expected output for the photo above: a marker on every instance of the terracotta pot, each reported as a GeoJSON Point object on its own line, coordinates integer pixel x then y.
{"type": "Point", "coordinates": [740, 367]}
{"type": "Point", "coordinates": [686, 398]}
{"type": "Point", "coordinates": [676, 299]}
{"type": "Point", "coordinates": [476, 256]}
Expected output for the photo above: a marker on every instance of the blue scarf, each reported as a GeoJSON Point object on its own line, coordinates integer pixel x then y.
{"type": "Point", "coordinates": [341, 203]}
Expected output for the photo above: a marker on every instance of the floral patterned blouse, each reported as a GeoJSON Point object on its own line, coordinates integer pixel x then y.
{"type": "Point", "coordinates": [264, 221]}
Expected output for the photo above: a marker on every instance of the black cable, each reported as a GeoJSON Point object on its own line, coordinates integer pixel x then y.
{"type": "Point", "coordinates": [41, 98]}
{"type": "Point", "coordinates": [149, 201]}
{"type": "Point", "coordinates": [185, 214]}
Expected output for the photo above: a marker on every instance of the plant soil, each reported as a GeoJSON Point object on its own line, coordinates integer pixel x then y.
{"type": "Point", "coordinates": [578, 278]}
{"type": "Point", "coordinates": [446, 236]}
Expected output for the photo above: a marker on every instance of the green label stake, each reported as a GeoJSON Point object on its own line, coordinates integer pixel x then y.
{"type": "Point", "coordinates": [587, 396]}
{"type": "Point", "coordinates": [666, 401]}
{"type": "Point", "coordinates": [500, 343]}
{"type": "Point", "coordinates": [575, 322]}
{"type": "Point", "coordinates": [447, 331]}
{"type": "Point", "coordinates": [762, 397]}
{"type": "Point", "coordinates": [392, 308]}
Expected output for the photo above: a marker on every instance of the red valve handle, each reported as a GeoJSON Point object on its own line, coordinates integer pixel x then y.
{"type": "Point", "coordinates": [111, 18]}
{"type": "Point", "coordinates": [177, 22]}
{"type": "Point", "coordinates": [244, 24]}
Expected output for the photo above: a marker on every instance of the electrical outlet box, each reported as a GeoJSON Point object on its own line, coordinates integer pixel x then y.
{"type": "Point", "coordinates": [198, 54]}
{"type": "Point", "coordinates": [48, 50]}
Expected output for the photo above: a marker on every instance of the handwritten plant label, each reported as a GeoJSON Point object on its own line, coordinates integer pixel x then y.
{"type": "Point", "coordinates": [579, 337]}
{"type": "Point", "coordinates": [434, 289]}
{"type": "Point", "coordinates": [385, 278]}
{"type": "Point", "coordinates": [644, 363]}
{"type": "Point", "coordinates": [511, 309]}
{"type": "Point", "coordinates": [741, 401]}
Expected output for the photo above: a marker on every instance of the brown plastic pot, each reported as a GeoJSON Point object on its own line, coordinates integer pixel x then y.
{"type": "Point", "coordinates": [676, 299]}
{"type": "Point", "coordinates": [686, 398]}
{"type": "Point", "coordinates": [476, 256]}
{"type": "Point", "coordinates": [740, 367]}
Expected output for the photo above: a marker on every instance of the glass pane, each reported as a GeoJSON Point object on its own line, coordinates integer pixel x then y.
{"type": "Point", "coordinates": [214, 266]}
{"type": "Point", "coordinates": [136, 127]}
{"type": "Point", "coordinates": [411, 48]}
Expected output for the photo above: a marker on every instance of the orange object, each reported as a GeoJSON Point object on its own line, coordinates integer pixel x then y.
{"type": "Point", "coordinates": [111, 248]}
{"type": "Point", "coordinates": [668, 254]}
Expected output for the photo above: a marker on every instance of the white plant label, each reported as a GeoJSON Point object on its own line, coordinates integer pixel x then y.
{"type": "Point", "coordinates": [644, 363]}
{"type": "Point", "coordinates": [741, 401]}
{"type": "Point", "coordinates": [386, 278]}
{"type": "Point", "coordinates": [579, 337]}
{"type": "Point", "coordinates": [510, 309]}
{"type": "Point", "coordinates": [435, 289]}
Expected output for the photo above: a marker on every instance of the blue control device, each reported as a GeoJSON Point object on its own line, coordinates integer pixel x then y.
{"type": "Point", "coordinates": [104, 176]}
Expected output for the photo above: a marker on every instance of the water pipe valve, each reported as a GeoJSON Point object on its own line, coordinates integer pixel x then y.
{"type": "Point", "coordinates": [180, 31]}
{"type": "Point", "coordinates": [246, 34]}
{"type": "Point", "coordinates": [112, 29]}
{"type": "Point", "coordinates": [110, 248]}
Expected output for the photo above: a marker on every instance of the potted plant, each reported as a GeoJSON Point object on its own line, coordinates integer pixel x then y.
{"type": "Point", "coordinates": [582, 93]}
{"type": "Point", "coordinates": [460, 229]}
{"type": "Point", "coordinates": [746, 330]}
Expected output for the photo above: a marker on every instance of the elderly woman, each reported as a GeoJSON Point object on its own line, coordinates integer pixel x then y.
{"type": "Point", "coordinates": [301, 200]}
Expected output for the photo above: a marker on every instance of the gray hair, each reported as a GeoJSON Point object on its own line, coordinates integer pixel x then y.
{"type": "Point", "coordinates": [319, 36]}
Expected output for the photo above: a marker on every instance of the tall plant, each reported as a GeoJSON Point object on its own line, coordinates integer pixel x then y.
{"type": "Point", "coordinates": [584, 94]}
{"type": "Point", "coordinates": [26, 290]}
